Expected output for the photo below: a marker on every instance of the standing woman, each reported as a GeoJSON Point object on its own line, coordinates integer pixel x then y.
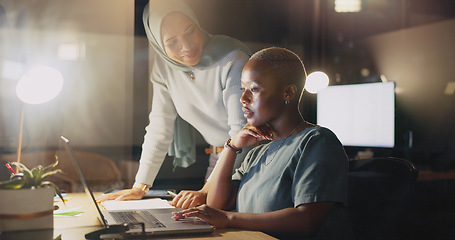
{"type": "Point", "coordinates": [196, 77]}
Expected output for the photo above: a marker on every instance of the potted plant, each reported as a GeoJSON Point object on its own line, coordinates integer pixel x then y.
{"type": "Point", "coordinates": [27, 199]}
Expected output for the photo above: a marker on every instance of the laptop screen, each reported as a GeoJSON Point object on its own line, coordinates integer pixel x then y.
{"type": "Point", "coordinates": [69, 150]}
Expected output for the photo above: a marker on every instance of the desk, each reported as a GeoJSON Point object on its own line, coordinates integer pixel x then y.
{"type": "Point", "coordinates": [74, 228]}
{"type": "Point", "coordinates": [429, 175]}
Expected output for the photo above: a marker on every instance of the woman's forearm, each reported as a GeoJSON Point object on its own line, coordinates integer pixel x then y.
{"type": "Point", "coordinates": [220, 187]}
{"type": "Point", "coordinates": [303, 220]}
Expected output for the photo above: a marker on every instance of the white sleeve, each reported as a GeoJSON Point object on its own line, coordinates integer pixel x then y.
{"type": "Point", "coordinates": [232, 92]}
{"type": "Point", "coordinates": [231, 99]}
{"type": "Point", "coordinates": [159, 132]}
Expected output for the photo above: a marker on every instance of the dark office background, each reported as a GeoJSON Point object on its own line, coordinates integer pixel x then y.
{"type": "Point", "coordinates": [350, 48]}
{"type": "Point", "coordinates": [411, 42]}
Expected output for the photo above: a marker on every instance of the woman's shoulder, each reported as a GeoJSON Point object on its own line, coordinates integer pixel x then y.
{"type": "Point", "coordinates": [322, 130]}
{"type": "Point", "coordinates": [159, 63]}
{"type": "Point", "coordinates": [238, 53]}
{"type": "Point", "coordinates": [235, 57]}
{"type": "Point", "coordinates": [318, 132]}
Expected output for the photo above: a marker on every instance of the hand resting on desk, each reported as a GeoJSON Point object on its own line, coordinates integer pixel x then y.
{"type": "Point", "coordinates": [126, 194]}
{"type": "Point", "coordinates": [188, 199]}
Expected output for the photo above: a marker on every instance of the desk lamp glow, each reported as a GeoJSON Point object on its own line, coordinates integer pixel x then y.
{"type": "Point", "coordinates": [38, 85]}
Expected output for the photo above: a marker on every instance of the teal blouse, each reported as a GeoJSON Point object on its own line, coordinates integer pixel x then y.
{"type": "Point", "coordinates": [308, 167]}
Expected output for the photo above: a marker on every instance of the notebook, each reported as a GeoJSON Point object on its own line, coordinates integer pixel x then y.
{"type": "Point", "coordinates": [156, 221]}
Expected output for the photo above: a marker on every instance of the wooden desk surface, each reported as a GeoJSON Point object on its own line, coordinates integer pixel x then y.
{"type": "Point", "coordinates": [429, 175]}
{"type": "Point", "coordinates": [74, 228]}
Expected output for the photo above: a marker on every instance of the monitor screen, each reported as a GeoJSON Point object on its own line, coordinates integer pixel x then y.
{"type": "Point", "coordinates": [361, 115]}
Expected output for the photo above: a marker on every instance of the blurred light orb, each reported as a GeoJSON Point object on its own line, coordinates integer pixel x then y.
{"type": "Point", "coordinates": [365, 72]}
{"type": "Point", "coordinates": [316, 81]}
{"type": "Point", "coordinates": [39, 85]}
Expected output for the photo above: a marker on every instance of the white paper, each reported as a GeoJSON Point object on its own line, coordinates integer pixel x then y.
{"type": "Point", "coordinates": [150, 203]}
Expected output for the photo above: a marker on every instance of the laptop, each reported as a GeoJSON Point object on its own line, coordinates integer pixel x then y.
{"type": "Point", "coordinates": [155, 221]}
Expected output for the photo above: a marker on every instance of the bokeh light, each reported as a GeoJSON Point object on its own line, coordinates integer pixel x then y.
{"type": "Point", "coordinates": [316, 81]}
{"type": "Point", "coordinates": [39, 85]}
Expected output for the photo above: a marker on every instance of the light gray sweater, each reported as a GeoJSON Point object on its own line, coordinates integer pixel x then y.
{"type": "Point", "coordinates": [210, 103]}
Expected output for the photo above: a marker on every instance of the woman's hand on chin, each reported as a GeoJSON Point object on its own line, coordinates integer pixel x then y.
{"type": "Point", "coordinates": [189, 199]}
{"type": "Point", "coordinates": [250, 135]}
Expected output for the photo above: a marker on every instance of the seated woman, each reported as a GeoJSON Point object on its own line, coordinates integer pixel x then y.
{"type": "Point", "coordinates": [292, 187]}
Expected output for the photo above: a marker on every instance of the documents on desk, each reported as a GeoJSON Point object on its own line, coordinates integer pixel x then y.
{"type": "Point", "coordinates": [73, 212]}
{"type": "Point", "coordinates": [151, 203]}
{"type": "Point", "coordinates": [74, 228]}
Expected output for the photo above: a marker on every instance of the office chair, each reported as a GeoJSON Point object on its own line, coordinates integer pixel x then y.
{"type": "Point", "coordinates": [378, 194]}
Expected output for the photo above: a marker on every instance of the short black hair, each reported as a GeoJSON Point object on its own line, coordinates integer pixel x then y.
{"type": "Point", "coordinates": [285, 62]}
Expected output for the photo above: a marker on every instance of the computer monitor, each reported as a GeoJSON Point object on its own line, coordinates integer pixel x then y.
{"type": "Point", "coordinates": [361, 115]}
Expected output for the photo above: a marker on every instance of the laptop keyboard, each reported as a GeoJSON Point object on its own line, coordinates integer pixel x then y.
{"type": "Point", "coordinates": [137, 217]}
